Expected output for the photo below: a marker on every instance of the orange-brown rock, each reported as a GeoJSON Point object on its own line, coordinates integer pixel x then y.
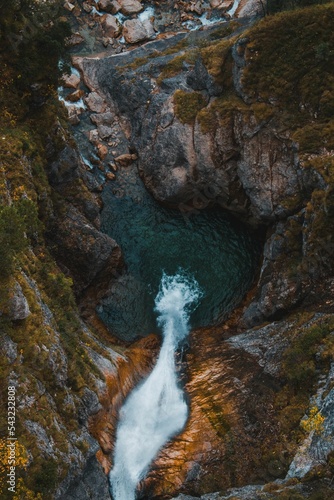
{"type": "Point", "coordinates": [132, 366]}
{"type": "Point", "coordinates": [225, 420]}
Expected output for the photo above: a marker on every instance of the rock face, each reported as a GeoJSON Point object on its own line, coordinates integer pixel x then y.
{"type": "Point", "coordinates": [194, 150]}
{"type": "Point", "coordinates": [18, 306]}
{"type": "Point", "coordinates": [249, 166]}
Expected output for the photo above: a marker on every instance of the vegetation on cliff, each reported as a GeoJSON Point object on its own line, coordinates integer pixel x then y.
{"type": "Point", "coordinates": [43, 343]}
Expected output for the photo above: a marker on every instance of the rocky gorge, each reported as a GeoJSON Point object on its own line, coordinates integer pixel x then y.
{"type": "Point", "coordinates": [225, 117]}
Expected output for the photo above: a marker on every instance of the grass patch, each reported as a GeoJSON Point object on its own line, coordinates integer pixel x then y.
{"type": "Point", "coordinates": [187, 105]}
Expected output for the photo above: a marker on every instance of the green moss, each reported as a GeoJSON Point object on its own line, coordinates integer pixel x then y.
{"type": "Point", "coordinates": [175, 65]}
{"type": "Point", "coordinates": [299, 364]}
{"type": "Point", "coordinates": [187, 105]}
{"type": "Point", "coordinates": [220, 112]}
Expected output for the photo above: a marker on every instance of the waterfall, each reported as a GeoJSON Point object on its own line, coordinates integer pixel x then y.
{"type": "Point", "coordinates": [156, 410]}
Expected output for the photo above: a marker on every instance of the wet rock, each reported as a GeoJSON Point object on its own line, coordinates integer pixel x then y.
{"type": "Point", "coordinates": [136, 31]}
{"type": "Point", "coordinates": [95, 103]}
{"type": "Point", "coordinates": [111, 25]}
{"type": "Point", "coordinates": [129, 7]}
{"type": "Point", "coordinates": [18, 304]}
{"type": "Point", "coordinates": [71, 81]}
{"type": "Point", "coordinates": [75, 96]}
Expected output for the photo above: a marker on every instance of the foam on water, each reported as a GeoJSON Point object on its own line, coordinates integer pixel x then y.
{"type": "Point", "coordinates": [156, 410]}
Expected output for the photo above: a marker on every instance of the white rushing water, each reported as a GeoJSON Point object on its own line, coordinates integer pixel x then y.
{"type": "Point", "coordinates": [156, 410]}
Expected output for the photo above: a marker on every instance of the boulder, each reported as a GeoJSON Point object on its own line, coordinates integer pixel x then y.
{"type": "Point", "coordinates": [111, 25]}
{"type": "Point", "coordinates": [75, 96]}
{"type": "Point", "coordinates": [95, 102]}
{"type": "Point", "coordinates": [75, 39]}
{"type": "Point", "coordinates": [112, 7]}
{"type": "Point", "coordinates": [71, 81]}
{"type": "Point", "coordinates": [129, 7]}
{"type": "Point", "coordinates": [104, 131]}
{"type": "Point", "coordinates": [69, 6]}
{"type": "Point", "coordinates": [137, 31]}
{"type": "Point", "coordinates": [87, 7]}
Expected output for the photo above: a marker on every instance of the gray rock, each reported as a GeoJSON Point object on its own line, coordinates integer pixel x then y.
{"type": "Point", "coordinates": [91, 483]}
{"type": "Point", "coordinates": [90, 405]}
{"type": "Point", "coordinates": [104, 131]}
{"type": "Point", "coordinates": [71, 81]}
{"type": "Point", "coordinates": [267, 344]}
{"type": "Point", "coordinates": [111, 25]}
{"type": "Point", "coordinates": [18, 304]}
{"type": "Point", "coordinates": [102, 118]}
{"type": "Point", "coordinates": [95, 102]}
{"type": "Point", "coordinates": [129, 7]}
{"type": "Point", "coordinates": [9, 348]}
{"type": "Point", "coordinates": [136, 31]}
{"type": "Point", "coordinates": [317, 445]}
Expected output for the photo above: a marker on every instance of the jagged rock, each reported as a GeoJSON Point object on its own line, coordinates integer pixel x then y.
{"type": "Point", "coordinates": [95, 103]}
{"type": "Point", "coordinates": [317, 445]}
{"type": "Point", "coordinates": [129, 7]}
{"type": "Point", "coordinates": [90, 405]}
{"type": "Point", "coordinates": [69, 6]}
{"type": "Point", "coordinates": [102, 118]}
{"type": "Point", "coordinates": [65, 168]}
{"type": "Point", "coordinates": [71, 81]}
{"type": "Point", "coordinates": [136, 31]}
{"type": "Point", "coordinates": [109, 6]}
{"type": "Point", "coordinates": [18, 304]}
{"type": "Point", "coordinates": [87, 7]}
{"type": "Point", "coordinates": [91, 483]}
{"type": "Point", "coordinates": [89, 254]}
{"type": "Point", "coordinates": [75, 39]}
{"type": "Point", "coordinates": [111, 26]}
{"type": "Point", "coordinates": [104, 131]}
{"type": "Point", "coordinates": [93, 136]}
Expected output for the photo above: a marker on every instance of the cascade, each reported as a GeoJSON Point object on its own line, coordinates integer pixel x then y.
{"type": "Point", "coordinates": [156, 410]}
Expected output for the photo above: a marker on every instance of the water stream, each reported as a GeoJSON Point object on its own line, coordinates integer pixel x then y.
{"type": "Point", "coordinates": [156, 410]}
